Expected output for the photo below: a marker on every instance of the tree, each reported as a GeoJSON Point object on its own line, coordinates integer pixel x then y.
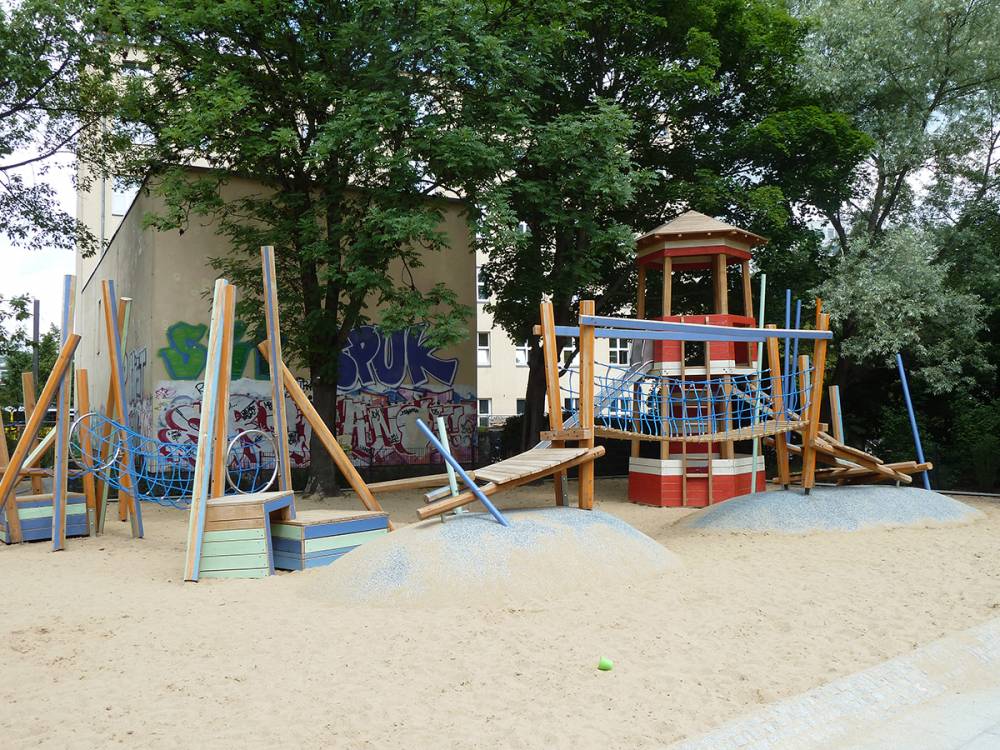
{"type": "Point", "coordinates": [349, 116]}
{"type": "Point", "coordinates": [638, 111]}
{"type": "Point", "coordinates": [19, 359]}
{"type": "Point", "coordinates": [50, 65]}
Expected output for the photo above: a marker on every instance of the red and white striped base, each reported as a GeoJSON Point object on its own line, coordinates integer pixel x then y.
{"type": "Point", "coordinates": [659, 482]}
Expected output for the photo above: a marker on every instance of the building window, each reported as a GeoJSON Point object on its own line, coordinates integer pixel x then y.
{"type": "Point", "coordinates": [618, 352]}
{"type": "Point", "coordinates": [485, 409]}
{"type": "Point", "coordinates": [483, 349]}
{"type": "Point", "coordinates": [571, 404]}
{"type": "Point", "coordinates": [568, 356]}
{"type": "Point", "coordinates": [481, 295]}
{"type": "Point", "coordinates": [521, 355]}
{"type": "Point", "coordinates": [521, 406]}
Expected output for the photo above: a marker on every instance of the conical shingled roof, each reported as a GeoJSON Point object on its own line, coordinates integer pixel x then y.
{"type": "Point", "coordinates": [695, 224]}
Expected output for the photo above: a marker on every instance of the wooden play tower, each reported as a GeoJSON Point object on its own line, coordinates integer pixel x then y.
{"type": "Point", "coordinates": [689, 472]}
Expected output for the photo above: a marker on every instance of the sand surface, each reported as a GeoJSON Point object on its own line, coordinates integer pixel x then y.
{"type": "Point", "coordinates": [102, 644]}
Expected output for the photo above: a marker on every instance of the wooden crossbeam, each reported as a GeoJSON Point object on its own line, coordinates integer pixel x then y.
{"type": "Point", "coordinates": [412, 483]}
{"type": "Point", "coordinates": [745, 433]}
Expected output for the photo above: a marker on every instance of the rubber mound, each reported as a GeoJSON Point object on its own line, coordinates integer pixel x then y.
{"type": "Point", "coordinates": [471, 559]}
{"type": "Point", "coordinates": [849, 508]}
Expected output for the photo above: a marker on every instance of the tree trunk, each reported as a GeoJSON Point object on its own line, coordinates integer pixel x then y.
{"type": "Point", "coordinates": [322, 471]}
{"type": "Point", "coordinates": [534, 399]}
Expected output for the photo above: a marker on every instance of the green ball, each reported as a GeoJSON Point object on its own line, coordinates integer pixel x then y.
{"type": "Point", "coordinates": [605, 664]}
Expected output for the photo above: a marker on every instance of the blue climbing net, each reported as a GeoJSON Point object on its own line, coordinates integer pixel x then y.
{"type": "Point", "coordinates": [163, 472]}
{"type": "Point", "coordinates": [694, 406]}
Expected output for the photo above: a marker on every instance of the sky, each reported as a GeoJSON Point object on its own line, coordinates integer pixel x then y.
{"type": "Point", "coordinates": [39, 274]}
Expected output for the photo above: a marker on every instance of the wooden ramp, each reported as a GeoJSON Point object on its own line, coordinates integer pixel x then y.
{"type": "Point", "coordinates": [534, 464]}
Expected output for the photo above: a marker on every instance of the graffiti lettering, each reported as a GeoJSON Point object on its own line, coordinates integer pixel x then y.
{"type": "Point", "coordinates": [371, 358]}
{"type": "Point", "coordinates": [185, 357]}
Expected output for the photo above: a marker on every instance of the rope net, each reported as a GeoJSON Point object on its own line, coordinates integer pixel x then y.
{"type": "Point", "coordinates": [163, 473]}
{"type": "Point", "coordinates": [723, 406]}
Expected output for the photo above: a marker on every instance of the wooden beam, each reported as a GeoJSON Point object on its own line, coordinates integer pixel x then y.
{"type": "Point", "coordinates": [550, 354]}
{"type": "Point", "coordinates": [12, 474]}
{"type": "Point", "coordinates": [567, 433]}
{"type": "Point", "coordinates": [274, 358]}
{"type": "Point", "coordinates": [116, 346]}
{"type": "Point", "coordinates": [201, 484]}
{"type": "Point", "coordinates": [89, 486]}
{"type": "Point", "coordinates": [778, 407]}
{"type": "Point", "coordinates": [668, 280]}
{"type": "Point", "coordinates": [815, 404]}
{"type": "Point", "coordinates": [28, 392]}
{"type": "Point", "coordinates": [326, 437]}
{"type": "Point", "coordinates": [221, 439]}
{"type": "Point", "coordinates": [585, 474]}
{"type": "Point", "coordinates": [836, 417]}
{"type": "Point", "coordinates": [122, 318]}
{"type": "Point", "coordinates": [450, 503]}
{"type": "Point", "coordinates": [720, 284]}
{"type": "Point", "coordinates": [413, 483]}
{"type": "Point", "coordinates": [747, 291]}
{"type": "Point", "coordinates": [60, 466]}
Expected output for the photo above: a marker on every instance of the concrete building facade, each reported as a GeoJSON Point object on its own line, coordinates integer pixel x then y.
{"type": "Point", "coordinates": [387, 381]}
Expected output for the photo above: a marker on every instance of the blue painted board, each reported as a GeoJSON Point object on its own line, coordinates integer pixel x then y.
{"type": "Point", "coordinates": [347, 527]}
{"type": "Point", "coordinates": [291, 562]}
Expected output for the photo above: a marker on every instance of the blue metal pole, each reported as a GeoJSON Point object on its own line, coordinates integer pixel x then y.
{"type": "Point", "coordinates": [913, 417]}
{"type": "Point", "coordinates": [795, 360]}
{"type": "Point", "coordinates": [786, 379]}
{"type": "Point", "coordinates": [461, 472]}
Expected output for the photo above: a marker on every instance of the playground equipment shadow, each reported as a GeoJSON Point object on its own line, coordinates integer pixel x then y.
{"type": "Point", "coordinates": [102, 643]}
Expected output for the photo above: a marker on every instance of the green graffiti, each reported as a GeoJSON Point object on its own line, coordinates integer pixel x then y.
{"type": "Point", "coordinates": [185, 357]}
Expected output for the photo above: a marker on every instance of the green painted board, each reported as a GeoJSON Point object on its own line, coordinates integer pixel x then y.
{"type": "Point", "coordinates": [249, 573]}
{"type": "Point", "coordinates": [342, 540]}
{"type": "Point", "coordinates": [234, 562]}
{"type": "Point", "coordinates": [287, 532]}
{"type": "Point", "coordinates": [46, 512]}
{"type": "Point", "coordinates": [233, 535]}
{"type": "Point", "coordinates": [236, 547]}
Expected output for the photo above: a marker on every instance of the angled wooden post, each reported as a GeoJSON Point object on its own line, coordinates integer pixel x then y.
{"type": "Point", "coordinates": [17, 460]}
{"type": "Point", "coordinates": [836, 416]}
{"type": "Point", "coordinates": [4, 453]}
{"type": "Point", "coordinates": [89, 486]}
{"type": "Point", "coordinates": [60, 490]}
{"type": "Point", "coordinates": [778, 408]}
{"type": "Point", "coordinates": [28, 391]}
{"type": "Point", "coordinates": [586, 410]}
{"type": "Point", "coordinates": [815, 404]}
{"type": "Point", "coordinates": [274, 361]}
{"type": "Point", "coordinates": [220, 442]}
{"type": "Point", "coordinates": [550, 353]}
{"type": "Point", "coordinates": [206, 435]}
{"type": "Point", "coordinates": [102, 488]}
{"type": "Point", "coordinates": [117, 354]}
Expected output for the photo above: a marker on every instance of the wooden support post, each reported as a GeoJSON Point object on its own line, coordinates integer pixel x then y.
{"type": "Point", "coordinates": [747, 292]}
{"type": "Point", "coordinates": [28, 391]}
{"type": "Point", "coordinates": [836, 416]}
{"type": "Point", "coordinates": [116, 352]}
{"type": "Point", "coordinates": [206, 435]}
{"type": "Point", "coordinates": [60, 472]}
{"type": "Point", "coordinates": [586, 470]}
{"type": "Point", "coordinates": [640, 313]}
{"type": "Point", "coordinates": [668, 273]}
{"type": "Point", "coordinates": [102, 488]}
{"type": "Point", "coordinates": [550, 354]}
{"type": "Point", "coordinates": [815, 404]}
{"type": "Point", "coordinates": [4, 453]}
{"type": "Point", "coordinates": [89, 486]}
{"type": "Point", "coordinates": [221, 439]}
{"type": "Point", "coordinates": [720, 284]}
{"type": "Point", "coordinates": [17, 460]}
{"type": "Point", "coordinates": [275, 357]}
{"type": "Point", "coordinates": [778, 409]}
{"type": "Point", "coordinates": [326, 437]}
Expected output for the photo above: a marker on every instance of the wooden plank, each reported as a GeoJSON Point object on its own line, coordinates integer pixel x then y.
{"type": "Point", "coordinates": [666, 287]}
{"type": "Point", "coordinates": [836, 418]}
{"type": "Point", "coordinates": [206, 433]}
{"type": "Point", "coordinates": [83, 407]}
{"type": "Point", "coordinates": [720, 284]}
{"type": "Point", "coordinates": [412, 483]}
{"type": "Point", "coordinates": [235, 547]}
{"type": "Point", "coordinates": [274, 359]}
{"type": "Point", "coordinates": [327, 438]}
{"type": "Point", "coordinates": [571, 433]}
{"type": "Point", "coordinates": [234, 535]}
{"type": "Point", "coordinates": [250, 573]}
{"type": "Point", "coordinates": [234, 513]}
{"type": "Point", "coordinates": [235, 562]}
{"type": "Point", "coordinates": [117, 355]}
{"type": "Point", "coordinates": [28, 394]}
{"type": "Point", "coordinates": [450, 503]}
{"type": "Point", "coordinates": [221, 440]}
{"type": "Point", "coordinates": [747, 291]}
{"type": "Point", "coordinates": [10, 476]}
{"type": "Point", "coordinates": [342, 540]}
{"type": "Point", "coordinates": [122, 317]}
{"type": "Point", "coordinates": [778, 407]}
{"type": "Point", "coordinates": [244, 523]}
{"type": "Point", "coordinates": [60, 465]}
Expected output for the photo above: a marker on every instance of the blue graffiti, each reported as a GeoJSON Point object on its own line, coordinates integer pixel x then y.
{"type": "Point", "coordinates": [371, 358]}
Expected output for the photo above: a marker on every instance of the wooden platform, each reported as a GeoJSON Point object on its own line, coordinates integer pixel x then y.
{"type": "Point", "coordinates": [35, 514]}
{"type": "Point", "coordinates": [512, 472]}
{"type": "Point", "coordinates": [319, 537]}
{"type": "Point", "coordinates": [237, 539]}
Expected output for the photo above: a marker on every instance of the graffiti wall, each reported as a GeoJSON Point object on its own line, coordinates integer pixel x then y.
{"type": "Point", "coordinates": [386, 383]}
